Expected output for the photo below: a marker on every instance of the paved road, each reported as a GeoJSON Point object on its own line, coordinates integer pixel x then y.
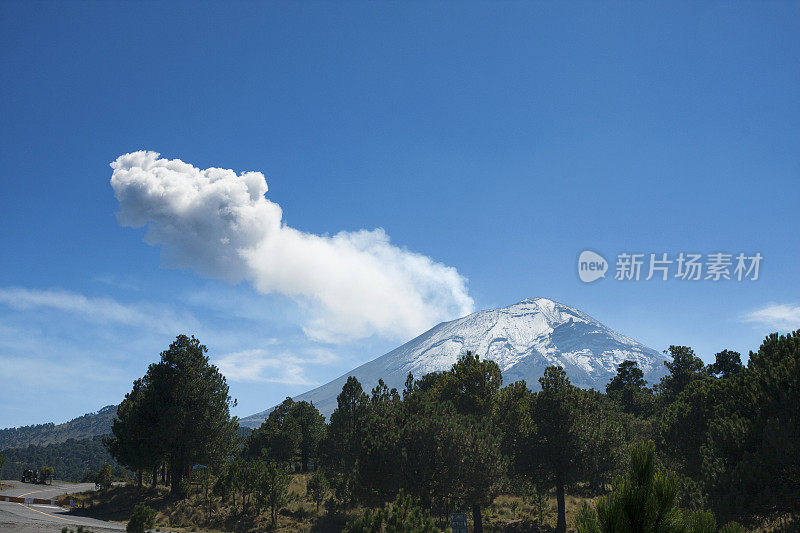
{"type": "Point", "coordinates": [46, 518]}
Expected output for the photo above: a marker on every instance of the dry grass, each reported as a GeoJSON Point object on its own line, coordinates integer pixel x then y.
{"type": "Point", "coordinates": [191, 514]}
{"type": "Point", "coordinates": [776, 523]}
{"type": "Point", "coordinates": [512, 513]}
{"type": "Point", "coordinates": [506, 514]}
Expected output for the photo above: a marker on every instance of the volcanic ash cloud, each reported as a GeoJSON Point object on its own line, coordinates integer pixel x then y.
{"type": "Point", "coordinates": [354, 284]}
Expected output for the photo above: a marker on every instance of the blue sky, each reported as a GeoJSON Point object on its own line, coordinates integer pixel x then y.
{"type": "Point", "coordinates": [496, 139]}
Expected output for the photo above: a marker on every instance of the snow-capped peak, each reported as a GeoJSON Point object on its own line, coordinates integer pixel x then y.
{"type": "Point", "coordinates": [523, 339]}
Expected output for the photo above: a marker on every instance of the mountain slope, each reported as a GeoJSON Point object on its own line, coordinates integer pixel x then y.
{"type": "Point", "coordinates": [84, 427]}
{"type": "Point", "coordinates": [522, 339]}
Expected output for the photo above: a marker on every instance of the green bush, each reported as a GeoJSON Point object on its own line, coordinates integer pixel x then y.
{"type": "Point", "coordinates": [103, 478]}
{"type": "Point", "coordinates": [48, 473]}
{"type": "Point", "coordinates": [317, 488]}
{"type": "Point", "coordinates": [184, 488]}
{"type": "Point", "coordinates": [645, 501]}
{"type": "Point", "coordinates": [405, 515]}
{"type": "Point", "coordinates": [142, 519]}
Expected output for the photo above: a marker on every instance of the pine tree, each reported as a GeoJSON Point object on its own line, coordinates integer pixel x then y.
{"type": "Point", "coordinates": [273, 488]}
{"type": "Point", "coordinates": [750, 457]}
{"type": "Point", "coordinates": [136, 442]}
{"type": "Point", "coordinates": [553, 450]}
{"type": "Point", "coordinates": [645, 501]}
{"type": "Point", "coordinates": [178, 412]}
{"type": "Point", "coordinates": [317, 487]}
{"type": "Point", "coordinates": [404, 515]}
{"type": "Point", "coordinates": [629, 389]}
{"type": "Point", "coordinates": [311, 429]}
{"type": "Point", "coordinates": [684, 368]}
{"type": "Point", "coordinates": [278, 438]}
{"type": "Point", "coordinates": [346, 437]}
{"type": "Point", "coordinates": [726, 363]}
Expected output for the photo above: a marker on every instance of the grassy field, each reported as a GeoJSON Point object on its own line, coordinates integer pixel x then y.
{"type": "Point", "coordinates": [505, 514]}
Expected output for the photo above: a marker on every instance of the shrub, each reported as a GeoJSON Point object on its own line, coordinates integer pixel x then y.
{"type": "Point", "coordinates": [103, 478]}
{"type": "Point", "coordinates": [184, 487]}
{"type": "Point", "coordinates": [404, 515]}
{"type": "Point", "coordinates": [142, 519]}
{"type": "Point", "coordinates": [317, 488]}
{"type": "Point", "coordinates": [539, 503]}
{"type": "Point", "coordinates": [645, 500]}
{"type": "Point", "coordinates": [48, 473]}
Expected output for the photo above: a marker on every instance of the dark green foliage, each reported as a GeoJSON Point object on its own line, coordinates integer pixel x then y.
{"type": "Point", "coordinates": [226, 483]}
{"type": "Point", "coordinates": [453, 440]}
{"type": "Point", "coordinates": [311, 426]}
{"type": "Point", "coordinates": [554, 449]}
{"type": "Point", "coordinates": [684, 368]}
{"type": "Point", "coordinates": [278, 437]}
{"type": "Point", "coordinates": [512, 418]}
{"type": "Point", "coordinates": [179, 413]}
{"type": "Point", "coordinates": [103, 478]}
{"type": "Point", "coordinates": [136, 440]}
{"type": "Point", "coordinates": [273, 487]}
{"type": "Point", "coordinates": [628, 375]}
{"type": "Point", "coordinates": [196, 425]}
{"type": "Point", "coordinates": [72, 460]}
{"type": "Point", "coordinates": [645, 501]}
{"type": "Point", "coordinates": [603, 433]}
{"type": "Point", "coordinates": [142, 519]}
{"type": "Point", "coordinates": [347, 430]}
{"type": "Point", "coordinates": [47, 474]}
{"type": "Point", "coordinates": [379, 473]}
{"type": "Point", "coordinates": [78, 529]}
{"type": "Point", "coordinates": [471, 385]}
{"type": "Point", "coordinates": [248, 475]}
{"type": "Point", "coordinates": [449, 456]}
{"type": "Point", "coordinates": [750, 458]}
{"type": "Point", "coordinates": [629, 389]}
{"type": "Point", "coordinates": [705, 522]}
{"type": "Point", "coordinates": [182, 488]}
{"type": "Point", "coordinates": [317, 488]}
{"type": "Point", "coordinates": [539, 502]}
{"type": "Point", "coordinates": [684, 424]}
{"type": "Point", "coordinates": [292, 432]}
{"type": "Point", "coordinates": [404, 515]}
{"type": "Point", "coordinates": [438, 443]}
{"type": "Point", "coordinates": [429, 450]}
{"type": "Point", "coordinates": [734, 438]}
{"type": "Point", "coordinates": [727, 363]}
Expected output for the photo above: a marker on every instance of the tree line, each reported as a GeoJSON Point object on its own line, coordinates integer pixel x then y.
{"type": "Point", "coordinates": [722, 438]}
{"type": "Point", "coordinates": [72, 460]}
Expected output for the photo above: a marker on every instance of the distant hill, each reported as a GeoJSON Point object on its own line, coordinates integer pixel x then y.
{"type": "Point", "coordinates": [84, 427]}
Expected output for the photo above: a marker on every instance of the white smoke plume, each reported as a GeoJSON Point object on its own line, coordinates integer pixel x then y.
{"type": "Point", "coordinates": [355, 284]}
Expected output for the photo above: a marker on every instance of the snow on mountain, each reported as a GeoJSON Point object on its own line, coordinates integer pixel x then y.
{"type": "Point", "coordinates": [522, 339]}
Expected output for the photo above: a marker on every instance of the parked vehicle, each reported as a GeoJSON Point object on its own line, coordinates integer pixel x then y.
{"type": "Point", "coordinates": [30, 476]}
{"type": "Point", "coordinates": [43, 476]}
